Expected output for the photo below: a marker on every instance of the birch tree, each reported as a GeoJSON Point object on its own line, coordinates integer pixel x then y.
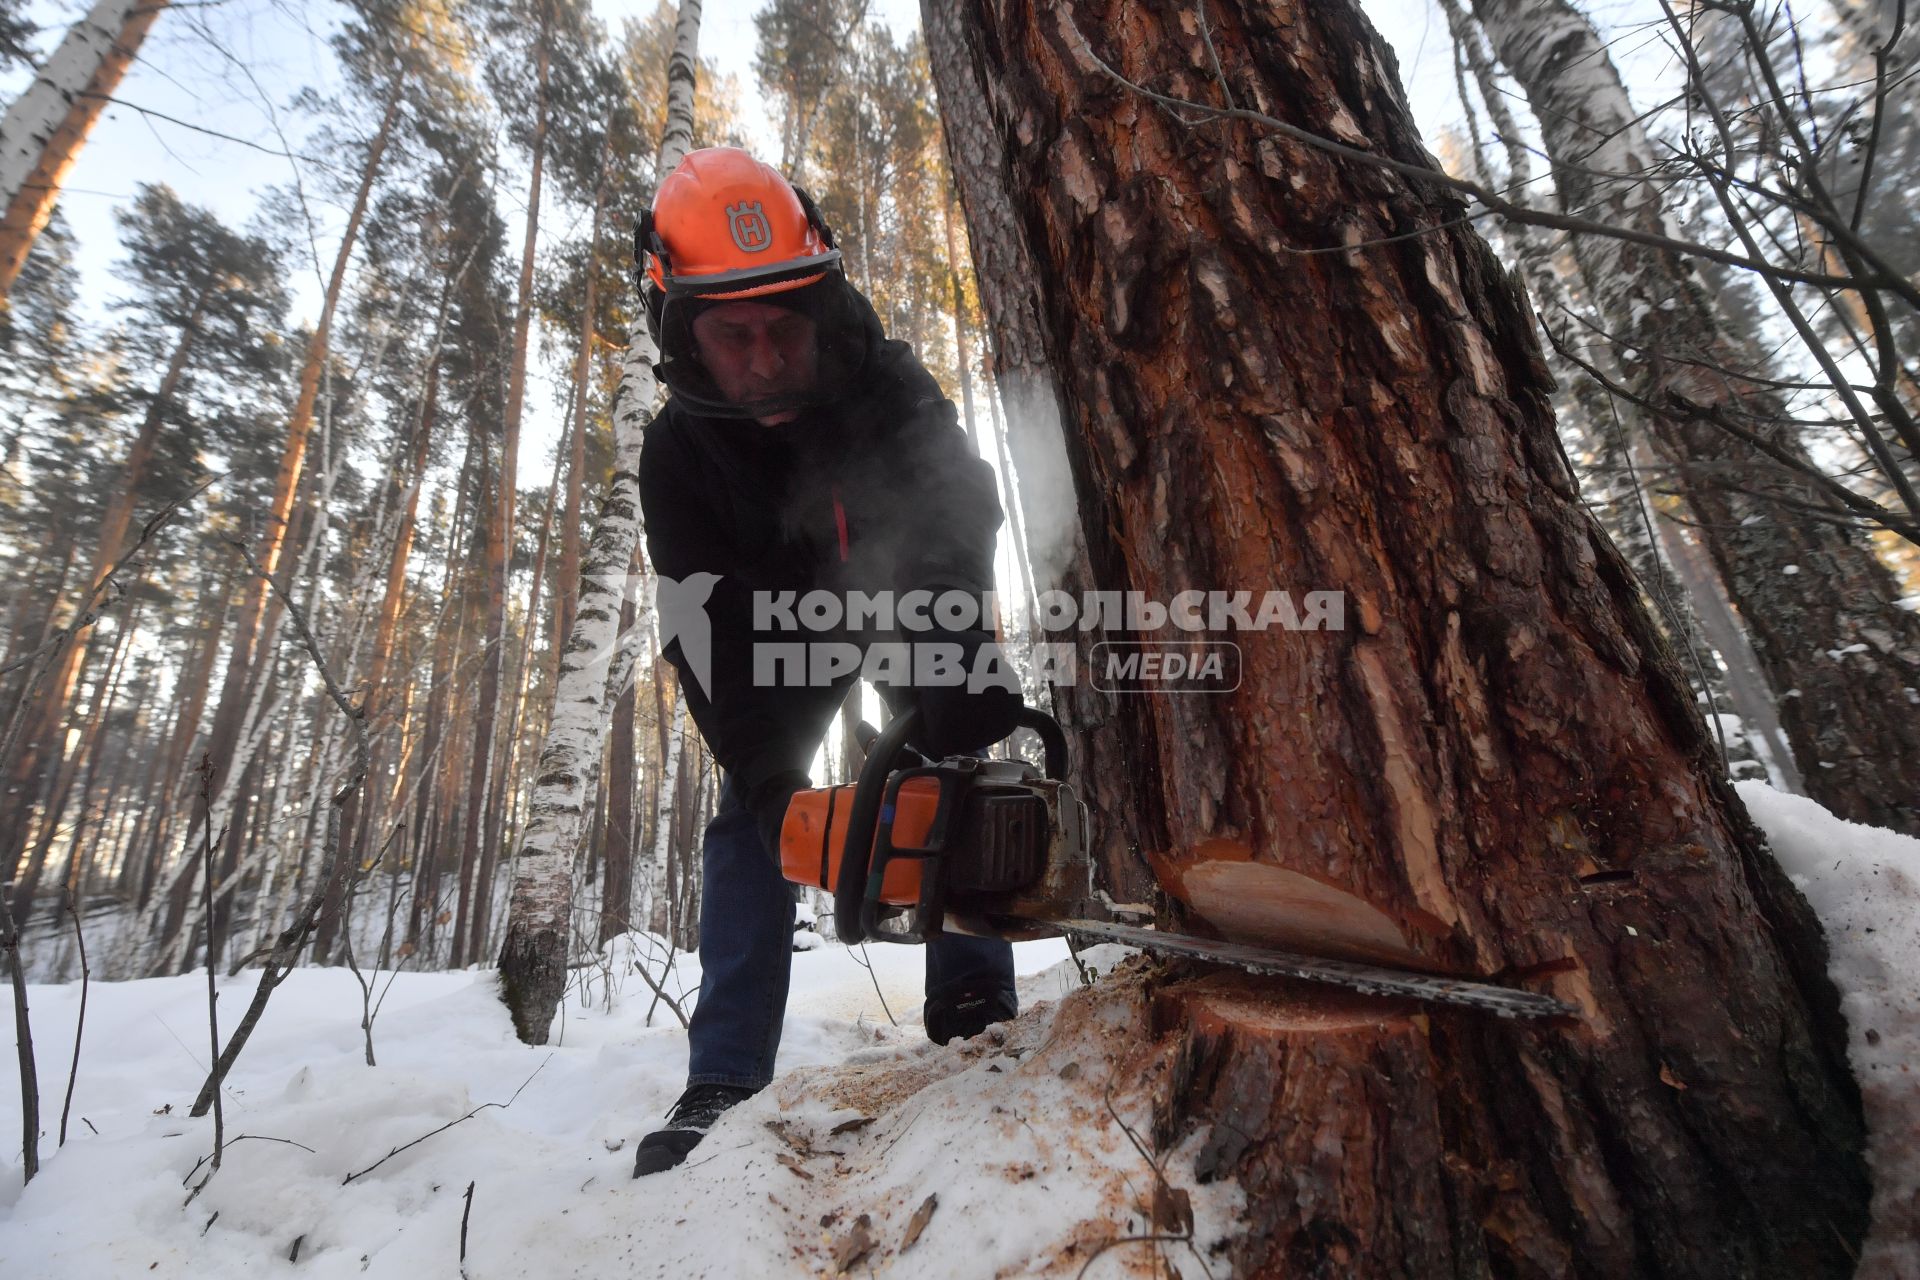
{"type": "Point", "coordinates": [45, 127]}
{"type": "Point", "coordinates": [533, 958]}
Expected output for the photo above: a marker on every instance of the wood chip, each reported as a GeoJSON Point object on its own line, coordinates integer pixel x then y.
{"type": "Point", "coordinates": [788, 1134]}
{"type": "Point", "coordinates": [848, 1126]}
{"type": "Point", "coordinates": [855, 1245]}
{"type": "Point", "coordinates": [794, 1165]}
{"type": "Point", "coordinates": [1070, 1071]}
{"type": "Point", "coordinates": [1668, 1078]}
{"type": "Point", "coordinates": [1172, 1210]}
{"type": "Point", "coordinates": [918, 1222]}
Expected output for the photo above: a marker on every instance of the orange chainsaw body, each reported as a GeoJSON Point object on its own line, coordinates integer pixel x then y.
{"type": "Point", "coordinates": [813, 837]}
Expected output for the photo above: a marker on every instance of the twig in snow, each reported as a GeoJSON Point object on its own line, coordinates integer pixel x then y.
{"type": "Point", "coordinates": [1169, 1207]}
{"type": "Point", "coordinates": [367, 1008]}
{"type": "Point", "coordinates": [245, 1137]}
{"type": "Point", "coordinates": [79, 1025]}
{"type": "Point", "coordinates": [660, 988]}
{"type": "Point", "coordinates": [867, 964]}
{"type": "Point", "coordinates": [464, 1215]}
{"type": "Point", "coordinates": [213, 992]}
{"type": "Point", "coordinates": [448, 1125]}
{"type": "Point", "coordinates": [23, 1035]}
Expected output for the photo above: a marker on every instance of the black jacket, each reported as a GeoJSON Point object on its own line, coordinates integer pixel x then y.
{"type": "Point", "coordinates": [756, 505]}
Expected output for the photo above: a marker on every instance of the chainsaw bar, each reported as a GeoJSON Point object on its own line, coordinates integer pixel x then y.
{"type": "Point", "coordinates": [1374, 980]}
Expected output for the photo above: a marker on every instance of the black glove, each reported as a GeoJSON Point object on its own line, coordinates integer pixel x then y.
{"type": "Point", "coordinates": [954, 721]}
{"type": "Point", "coordinates": [768, 804]}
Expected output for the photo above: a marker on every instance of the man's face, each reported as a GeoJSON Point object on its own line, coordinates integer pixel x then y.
{"type": "Point", "coordinates": [755, 350]}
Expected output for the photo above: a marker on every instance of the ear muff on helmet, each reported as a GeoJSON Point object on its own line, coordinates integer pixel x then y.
{"type": "Point", "coordinates": [652, 298]}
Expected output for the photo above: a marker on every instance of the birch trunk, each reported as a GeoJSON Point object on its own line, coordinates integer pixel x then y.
{"type": "Point", "coordinates": [1496, 752]}
{"type": "Point", "coordinates": [533, 957]}
{"type": "Point", "coordinates": [1818, 605]}
{"type": "Point", "coordinates": [45, 127]}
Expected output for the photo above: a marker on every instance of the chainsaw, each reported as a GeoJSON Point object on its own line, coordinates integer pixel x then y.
{"type": "Point", "coordinates": [1000, 849]}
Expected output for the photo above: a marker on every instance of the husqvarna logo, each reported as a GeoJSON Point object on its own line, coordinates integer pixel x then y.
{"type": "Point", "coordinates": [748, 223]}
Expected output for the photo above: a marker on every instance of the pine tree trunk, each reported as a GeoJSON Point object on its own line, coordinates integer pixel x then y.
{"type": "Point", "coordinates": [45, 127]}
{"type": "Point", "coordinates": [485, 814]}
{"type": "Point", "coordinates": [1818, 605]}
{"type": "Point", "coordinates": [1497, 753]}
{"type": "Point", "coordinates": [533, 957]}
{"type": "Point", "coordinates": [616, 896]}
{"type": "Point", "coordinates": [577, 436]}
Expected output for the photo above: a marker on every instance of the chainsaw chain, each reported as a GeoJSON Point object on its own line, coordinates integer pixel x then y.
{"type": "Point", "coordinates": [1370, 979]}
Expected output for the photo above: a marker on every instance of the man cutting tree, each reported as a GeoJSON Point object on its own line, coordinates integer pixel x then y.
{"type": "Point", "coordinates": [800, 450]}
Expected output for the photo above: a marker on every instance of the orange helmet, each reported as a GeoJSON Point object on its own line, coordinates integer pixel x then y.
{"type": "Point", "coordinates": [725, 226]}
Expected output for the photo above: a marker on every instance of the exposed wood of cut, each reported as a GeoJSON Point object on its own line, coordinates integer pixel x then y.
{"type": "Point", "coordinates": [1258, 902]}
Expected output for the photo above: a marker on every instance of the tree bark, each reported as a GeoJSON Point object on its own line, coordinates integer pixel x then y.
{"type": "Point", "coordinates": [959, 318]}
{"type": "Point", "coordinates": [577, 435]}
{"type": "Point", "coordinates": [1818, 605]}
{"type": "Point", "coordinates": [1497, 754]}
{"type": "Point", "coordinates": [1032, 395]}
{"type": "Point", "coordinates": [533, 956]}
{"type": "Point", "coordinates": [45, 127]}
{"type": "Point", "coordinates": [616, 896]}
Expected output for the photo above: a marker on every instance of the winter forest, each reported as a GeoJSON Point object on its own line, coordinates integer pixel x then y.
{"type": "Point", "coordinates": [1576, 345]}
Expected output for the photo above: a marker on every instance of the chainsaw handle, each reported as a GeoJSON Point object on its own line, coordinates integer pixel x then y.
{"type": "Point", "coordinates": [850, 888]}
{"type": "Point", "coordinates": [856, 851]}
{"type": "Point", "coordinates": [1052, 737]}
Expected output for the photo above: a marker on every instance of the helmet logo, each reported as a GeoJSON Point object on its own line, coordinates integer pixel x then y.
{"type": "Point", "coordinates": [748, 224]}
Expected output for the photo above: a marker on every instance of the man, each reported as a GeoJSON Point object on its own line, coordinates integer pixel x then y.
{"type": "Point", "coordinates": [800, 450]}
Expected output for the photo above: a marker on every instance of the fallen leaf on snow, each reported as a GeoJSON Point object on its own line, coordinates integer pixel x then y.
{"type": "Point", "coordinates": [918, 1222]}
{"type": "Point", "coordinates": [855, 1245]}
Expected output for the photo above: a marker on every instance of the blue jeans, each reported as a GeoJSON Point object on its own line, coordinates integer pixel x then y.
{"type": "Point", "coordinates": [746, 955]}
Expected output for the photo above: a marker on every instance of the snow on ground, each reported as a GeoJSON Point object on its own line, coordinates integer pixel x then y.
{"type": "Point", "coordinates": [1008, 1135]}
{"type": "Point", "coordinates": [1028, 1170]}
{"type": "Point", "coordinates": [1864, 882]}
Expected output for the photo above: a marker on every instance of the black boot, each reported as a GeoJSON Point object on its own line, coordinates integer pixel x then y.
{"type": "Point", "coordinates": [699, 1107]}
{"type": "Point", "coordinates": [967, 1012]}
